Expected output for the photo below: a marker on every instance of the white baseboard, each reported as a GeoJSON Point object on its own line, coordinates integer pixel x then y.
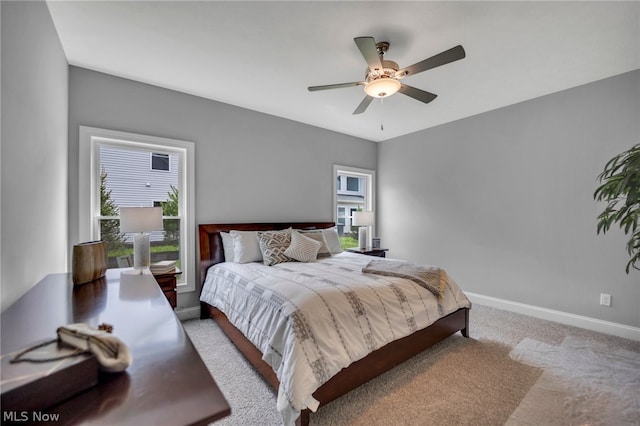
{"type": "Point", "coordinates": [188, 313]}
{"type": "Point", "coordinates": [616, 329]}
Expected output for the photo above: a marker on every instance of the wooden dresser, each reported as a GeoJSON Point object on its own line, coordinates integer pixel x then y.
{"type": "Point", "coordinates": [167, 382]}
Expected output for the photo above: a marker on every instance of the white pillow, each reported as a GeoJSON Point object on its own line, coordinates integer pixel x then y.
{"type": "Point", "coordinates": [302, 248]}
{"type": "Point", "coordinates": [227, 246]}
{"type": "Point", "coordinates": [333, 241]}
{"type": "Point", "coordinates": [246, 247]}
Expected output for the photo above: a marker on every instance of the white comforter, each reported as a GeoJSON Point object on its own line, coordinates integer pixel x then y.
{"type": "Point", "coordinates": [310, 320]}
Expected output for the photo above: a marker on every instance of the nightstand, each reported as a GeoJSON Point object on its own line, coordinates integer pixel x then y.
{"type": "Point", "coordinates": [167, 283]}
{"type": "Point", "coordinates": [378, 252]}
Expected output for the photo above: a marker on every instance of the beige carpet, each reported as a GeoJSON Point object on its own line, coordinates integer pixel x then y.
{"type": "Point", "coordinates": [508, 372]}
{"type": "Point", "coordinates": [458, 382]}
{"type": "Point", "coordinates": [583, 383]}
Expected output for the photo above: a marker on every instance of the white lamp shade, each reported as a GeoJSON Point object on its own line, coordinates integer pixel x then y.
{"type": "Point", "coordinates": [140, 219]}
{"type": "Point", "coordinates": [363, 218]}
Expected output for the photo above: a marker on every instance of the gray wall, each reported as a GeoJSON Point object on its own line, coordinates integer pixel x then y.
{"type": "Point", "coordinates": [504, 200]}
{"type": "Point", "coordinates": [34, 149]}
{"type": "Point", "coordinates": [249, 166]}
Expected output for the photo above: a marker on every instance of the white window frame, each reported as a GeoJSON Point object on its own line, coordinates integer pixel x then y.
{"type": "Point", "coordinates": [89, 196]}
{"type": "Point", "coordinates": [370, 178]}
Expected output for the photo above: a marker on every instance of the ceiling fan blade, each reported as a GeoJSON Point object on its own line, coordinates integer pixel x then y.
{"type": "Point", "coordinates": [417, 94]}
{"type": "Point", "coordinates": [335, 86]}
{"type": "Point", "coordinates": [363, 105]}
{"type": "Point", "coordinates": [451, 55]}
{"type": "Point", "coordinates": [367, 46]}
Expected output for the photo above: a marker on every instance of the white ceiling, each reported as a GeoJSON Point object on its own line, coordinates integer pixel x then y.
{"type": "Point", "coordinates": [263, 55]}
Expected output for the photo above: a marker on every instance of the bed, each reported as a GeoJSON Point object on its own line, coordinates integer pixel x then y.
{"type": "Point", "coordinates": [352, 375]}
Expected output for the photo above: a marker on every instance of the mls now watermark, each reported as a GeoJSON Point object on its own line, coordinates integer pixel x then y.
{"type": "Point", "coordinates": [29, 416]}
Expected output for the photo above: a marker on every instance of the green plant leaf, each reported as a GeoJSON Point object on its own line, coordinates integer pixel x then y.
{"type": "Point", "coordinates": [620, 188]}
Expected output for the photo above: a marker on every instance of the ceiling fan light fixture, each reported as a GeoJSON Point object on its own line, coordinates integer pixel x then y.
{"type": "Point", "coordinates": [382, 87]}
{"type": "Point", "coordinates": [382, 77]}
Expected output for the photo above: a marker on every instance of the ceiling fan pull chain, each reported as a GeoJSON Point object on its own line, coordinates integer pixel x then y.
{"type": "Point", "coordinates": [382, 114]}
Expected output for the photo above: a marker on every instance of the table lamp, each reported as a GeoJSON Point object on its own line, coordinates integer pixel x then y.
{"type": "Point", "coordinates": [364, 220]}
{"type": "Point", "coordinates": [141, 221]}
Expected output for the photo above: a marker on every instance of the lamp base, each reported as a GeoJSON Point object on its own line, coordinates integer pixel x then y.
{"type": "Point", "coordinates": [362, 238]}
{"type": "Point", "coordinates": [141, 251]}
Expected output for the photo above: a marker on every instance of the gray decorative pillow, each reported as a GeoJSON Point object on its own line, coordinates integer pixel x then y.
{"type": "Point", "coordinates": [302, 248]}
{"type": "Point", "coordinates": [333, 240]}
{"type": "Point", "coordinates": [318, 235]}
{"type": "Point", "coordinates": [227, 246]}
{"type": "Point", "coordinates": [273, 245]}
{"type": "Point", "coordinates": [245, 246]}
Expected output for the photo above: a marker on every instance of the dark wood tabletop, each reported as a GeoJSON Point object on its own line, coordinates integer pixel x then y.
{"type": "Point", "coordinates": [166, 384]}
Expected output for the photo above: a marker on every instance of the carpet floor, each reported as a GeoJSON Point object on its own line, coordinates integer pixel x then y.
{"type": "Point", "coordinates": [514, 370]}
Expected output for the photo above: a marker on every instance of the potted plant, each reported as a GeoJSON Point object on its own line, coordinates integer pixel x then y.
{"type": "Point", "coordinates": [620, 188]}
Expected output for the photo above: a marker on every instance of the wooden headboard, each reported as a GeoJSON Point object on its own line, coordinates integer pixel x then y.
{"type": "Point", "coordinates": [211, 251]}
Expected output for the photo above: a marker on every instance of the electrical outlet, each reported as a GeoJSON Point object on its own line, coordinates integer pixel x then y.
{"type": "Point", "coordinates": [605, 299]}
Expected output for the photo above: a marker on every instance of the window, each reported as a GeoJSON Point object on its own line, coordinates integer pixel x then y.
{"type": "Point", "coordinates": [354, 190]}
{"type": "Point", "coordinates": [115, 172]}
{"type": "Point", "coordinates": [160, 162]}
{"type": "Point", "coordinates": [353, 183]}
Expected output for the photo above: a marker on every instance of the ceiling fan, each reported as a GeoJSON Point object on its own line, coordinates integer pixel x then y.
{"type": "Point", "coordinates": [382, 78]}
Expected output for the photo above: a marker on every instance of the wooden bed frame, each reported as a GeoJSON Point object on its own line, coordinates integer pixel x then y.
{"type": "Point", "coordinates": [359, 372]}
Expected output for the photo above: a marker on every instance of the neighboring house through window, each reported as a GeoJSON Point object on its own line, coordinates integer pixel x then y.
{"type": "Point", "coordinates": [120, 169]}
{"type": "Point", "coordinates": [354, 189]}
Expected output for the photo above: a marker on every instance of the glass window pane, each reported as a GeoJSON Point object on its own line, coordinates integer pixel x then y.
{"type": "Point", "coordinates": [354, 193]}
{"type": "Point", "coordinates": [160, 162]}
{"type": "Point", "coordinates": [108, 206]}
{"type": "Point", "coordinates": [126, 181]}
{"type": "Point", "coordinates": [117, 244]}
{"type": "Point", "coordinates": [165, 245]}
{"type": "Point", "coordinates": [353, 184]}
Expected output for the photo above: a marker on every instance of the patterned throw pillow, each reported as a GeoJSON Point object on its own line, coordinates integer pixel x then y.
{"type": "Point", "coordinates": [273, 245]}
{"type": "Point", "coordinates": [302, 248]}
